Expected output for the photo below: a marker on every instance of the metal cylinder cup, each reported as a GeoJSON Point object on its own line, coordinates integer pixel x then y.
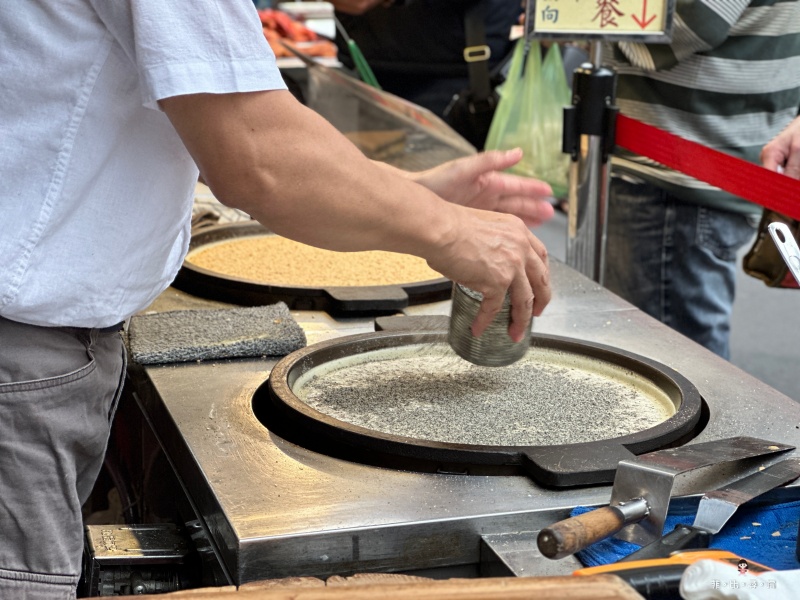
{"type": "Point", "coordinates": [494, 347]}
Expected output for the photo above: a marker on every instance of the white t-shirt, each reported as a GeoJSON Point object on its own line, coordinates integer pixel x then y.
{"type": "Point", "coordinates": [95, 184]}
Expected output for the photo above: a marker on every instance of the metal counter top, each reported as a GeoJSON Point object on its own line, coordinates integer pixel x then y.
{"type": "Point", "coordinates": [275, 509]}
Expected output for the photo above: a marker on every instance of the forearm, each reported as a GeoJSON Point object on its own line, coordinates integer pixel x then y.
{"type": "Point", "coordinates": [359, 7]}
{"type": "Point", "coordinates": [321, 179]}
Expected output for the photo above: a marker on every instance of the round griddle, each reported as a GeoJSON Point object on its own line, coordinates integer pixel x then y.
{"type": "Point", "coordinates": [284, 413]}
{"type": "Point", "coordinates": [349, 301]}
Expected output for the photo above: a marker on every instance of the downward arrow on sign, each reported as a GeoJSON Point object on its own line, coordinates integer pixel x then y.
{"type": "Point", "coordinates": [644, 21]}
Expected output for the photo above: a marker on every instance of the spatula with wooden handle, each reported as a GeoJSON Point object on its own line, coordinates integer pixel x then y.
{"type": "Point", "coordinates": [716, 508]}
{"type": "Point", "coordinates": [641, 493]}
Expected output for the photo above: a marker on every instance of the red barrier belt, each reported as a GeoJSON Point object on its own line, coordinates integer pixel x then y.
{"type": "Point", "coordinates": [739, 177]}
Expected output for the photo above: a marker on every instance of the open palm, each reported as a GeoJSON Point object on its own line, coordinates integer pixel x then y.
{"type": "Point", "coordinates": [479, 182]}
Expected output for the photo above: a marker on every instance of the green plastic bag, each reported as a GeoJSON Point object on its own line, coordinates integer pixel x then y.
{"type": "Point", "coordinates": [530, 115]}
{"type": "Point", "coordinates": [505, 106]}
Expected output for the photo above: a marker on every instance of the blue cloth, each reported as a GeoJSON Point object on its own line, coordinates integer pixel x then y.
{"type": "Point", "coordinates": [675, 260]}
{"type": "Point", "coordinates": [757, 543]}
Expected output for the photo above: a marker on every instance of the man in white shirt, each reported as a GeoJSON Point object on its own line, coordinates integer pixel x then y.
{"type": "Point", "coordinates": [107, 109]}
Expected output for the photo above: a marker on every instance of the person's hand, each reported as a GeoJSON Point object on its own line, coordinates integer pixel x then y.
{"type": "Point", "coordinates": [254, 151]}
{"type": "Point", "coordinates": [355, 7]}
{"type": "Point", "coordinates": [494, 253]}
{"type": "Point", "coordinates": [783, 152]}
{"type": "Point", "coordinates": [479, 182]}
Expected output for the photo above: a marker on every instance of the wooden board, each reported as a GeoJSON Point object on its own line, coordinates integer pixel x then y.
{"type": "Point", "coordinates": [402, 587]}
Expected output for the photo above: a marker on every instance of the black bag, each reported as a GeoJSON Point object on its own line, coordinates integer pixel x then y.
{"type": "Point", "coordinates": [470, 111]}
{"type": "Point", "coordinates": [471, 117]}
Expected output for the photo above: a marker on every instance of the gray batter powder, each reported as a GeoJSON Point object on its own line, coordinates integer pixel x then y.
{"type": "Point", "coordinates": [426, 392]}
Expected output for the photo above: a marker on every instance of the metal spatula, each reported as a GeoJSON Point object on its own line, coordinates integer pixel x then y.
{"type": "Point", "coordinates": [716, 508]}
{"type": "Point", "coordinates": [641, 494]}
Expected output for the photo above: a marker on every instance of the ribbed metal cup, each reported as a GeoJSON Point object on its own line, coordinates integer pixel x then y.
{"type": "Point", "coordinates": [494, 347]}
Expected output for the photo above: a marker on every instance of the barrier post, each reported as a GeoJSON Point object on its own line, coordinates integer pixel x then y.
{"type": "Point", "coordinates": [590, 122]}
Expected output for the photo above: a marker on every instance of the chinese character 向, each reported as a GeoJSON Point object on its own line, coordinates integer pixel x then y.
{"type": "Point", "coordinates": [550, 14]}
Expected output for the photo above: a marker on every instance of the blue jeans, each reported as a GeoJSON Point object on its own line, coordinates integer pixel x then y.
{"type": "Point", "coordinates": [675, 260]}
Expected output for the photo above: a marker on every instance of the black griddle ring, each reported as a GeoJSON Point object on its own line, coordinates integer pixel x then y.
{"type": "Point", "coordinates": [565, 465]}
{"type": "Point", "coordinates": [352, 301]}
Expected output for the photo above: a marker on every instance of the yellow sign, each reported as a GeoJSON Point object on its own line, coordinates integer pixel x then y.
{"type": "Point", "coordinates": [612, 17]}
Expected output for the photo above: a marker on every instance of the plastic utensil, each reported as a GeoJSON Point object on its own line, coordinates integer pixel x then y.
{"type": "Point", "coordinates": [364, 70]}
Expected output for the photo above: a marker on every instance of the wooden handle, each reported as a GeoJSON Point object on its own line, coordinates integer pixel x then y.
{"type": "Point", "coordinates": [576, 533]}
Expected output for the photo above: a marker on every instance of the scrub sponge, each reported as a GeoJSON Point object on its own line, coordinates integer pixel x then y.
{"type": "Point", "coordinates": [191, 335]}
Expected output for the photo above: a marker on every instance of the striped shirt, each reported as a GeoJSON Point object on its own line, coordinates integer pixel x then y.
{"type": "Point", "coordinates": [730, 80]}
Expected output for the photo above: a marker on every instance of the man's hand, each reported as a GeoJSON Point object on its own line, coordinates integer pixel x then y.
{"type": "Point", "coordinates": [479, 182]}
{"type": "Point", "coordinates": [783, 152]}
{"type": "Point", "coordinates": [494, 253]}
{"type": "Point", "coordinates": [283, 164]}
{"type": "Point", "coordinates": [517, 260]}
{"type": "Point", "coordinates": [355, 7]}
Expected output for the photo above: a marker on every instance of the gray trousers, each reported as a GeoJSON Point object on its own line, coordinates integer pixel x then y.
{"type": "Point", "coordinates": [59, 387]}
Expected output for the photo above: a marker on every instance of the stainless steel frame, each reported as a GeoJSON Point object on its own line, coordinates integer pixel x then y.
{"type": "Point", "coordinates": [274, 509]}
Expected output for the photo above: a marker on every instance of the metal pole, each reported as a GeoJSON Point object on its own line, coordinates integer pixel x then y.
{"type": "Point", "coordinates": [589, 137]}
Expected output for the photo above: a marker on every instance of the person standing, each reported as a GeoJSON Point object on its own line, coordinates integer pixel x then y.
{"type": "Point", "coordinates": [109, 110]}
{"type": "Point", "coordinates": [416, 47]}
{"type": "Point", "coordinates": [730, 80]}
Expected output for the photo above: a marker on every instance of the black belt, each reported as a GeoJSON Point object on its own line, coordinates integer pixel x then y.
{"type": "Point", "coordinates": [113, 329]}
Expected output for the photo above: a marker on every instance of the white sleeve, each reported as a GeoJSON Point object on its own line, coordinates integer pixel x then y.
{"type": "Point", "coordinates": [213, 46]}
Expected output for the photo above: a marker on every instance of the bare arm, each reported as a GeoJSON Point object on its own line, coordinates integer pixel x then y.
{"type": "Point", "coordinates": [283, 164]}
{"type": "Point", "coordinates": [479, 181]}
{"type": "Point", "coordinates": [355, 7]}
{"type": "Point", "coordinates": [359, 7]}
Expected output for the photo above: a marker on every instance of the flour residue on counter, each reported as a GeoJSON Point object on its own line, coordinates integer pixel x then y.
{"type": "Point", "coordinates": [426, 392]}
